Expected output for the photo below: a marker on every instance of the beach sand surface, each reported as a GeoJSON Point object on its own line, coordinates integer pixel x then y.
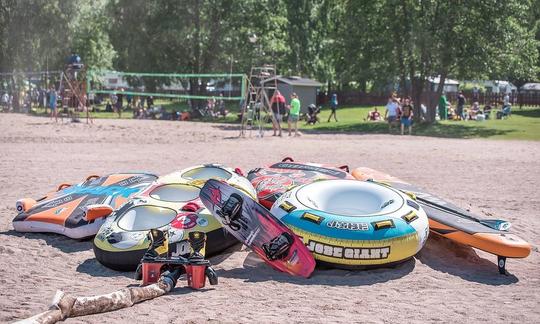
{"type": "Point", "coordinates": [445, 282]}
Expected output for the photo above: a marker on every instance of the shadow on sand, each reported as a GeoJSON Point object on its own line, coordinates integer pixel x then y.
{"type": "Point", "coordinates": [440, 254]}
{"type": "Point", "coordinates": [61, 242]}
{"type": "Point", "coordinates": [462, 261]}
{"type": "Point", "coordinates": [255, 270]}
{"type": "Point", "coordinates": [95, 269]}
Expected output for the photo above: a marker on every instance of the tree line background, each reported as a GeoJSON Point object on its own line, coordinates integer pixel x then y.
{"type": "Point", "coordinates": [346, 44]}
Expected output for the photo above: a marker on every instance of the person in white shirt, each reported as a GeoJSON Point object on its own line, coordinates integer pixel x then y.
{"type": "Point", "coordinates": [506, 100]}
{"type": "Point", "coordinates": [391, 113]}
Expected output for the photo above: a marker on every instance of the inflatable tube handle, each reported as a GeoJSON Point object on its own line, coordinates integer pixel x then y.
{"type": "Point", "coordinates": [344, 168]}
{"type": "Point", "coordinates": [63, 186]}
{"type": "Point", "coordinates": [93, 176]}
{"type": "Point", "coordinates": [93, 212]}
{"type": "Point", "coordinates": [191, 207]}
{"type": "Point", "coordinates": [287, 159]}
{"type": "Point", "coordinates": [239, 172]}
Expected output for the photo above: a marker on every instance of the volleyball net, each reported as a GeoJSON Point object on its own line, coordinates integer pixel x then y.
{"type": "Point", "coordinates": [167, 85]}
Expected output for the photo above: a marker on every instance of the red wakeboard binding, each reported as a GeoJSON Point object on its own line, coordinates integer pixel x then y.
{"type": "Point", "coordinates": [156, 261]}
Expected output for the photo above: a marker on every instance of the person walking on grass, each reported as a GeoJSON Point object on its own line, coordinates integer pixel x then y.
{"type": "Point", "coordinates": [294, 114]}
{"type": "Point", "coordinates": [406, 116]}
{"type": "Point", "coordinates": [333, 106]}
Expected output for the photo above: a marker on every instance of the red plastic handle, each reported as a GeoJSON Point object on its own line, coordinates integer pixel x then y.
{"type": "Point", "coordinates": [191, 207]}
{"type": "Point", "coordinates": [239, 172]}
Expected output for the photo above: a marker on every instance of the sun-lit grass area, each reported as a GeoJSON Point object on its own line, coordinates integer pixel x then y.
{"type": "Point", "coordinates": [524, 124]}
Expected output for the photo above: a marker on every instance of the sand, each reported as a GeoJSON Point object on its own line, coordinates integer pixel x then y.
{"type": "Point", "coordinates": [445, 282]}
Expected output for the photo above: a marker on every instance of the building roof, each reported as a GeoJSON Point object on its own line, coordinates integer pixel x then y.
{"type": "Point", "coordinates": [447, 81]}
{"type": "Point", "coordinates": [296, 80]}
{"type": "Point", "coordinates": [531, 86]}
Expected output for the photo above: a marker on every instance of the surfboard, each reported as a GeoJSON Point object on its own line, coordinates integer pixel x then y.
{"type": "Point", "coordinates": [63, 211]}
{"type": "Point", "coordinates": [455, 223]}
{"type": "Point", "coordinates": [272, 181]}
{"type": "Point", "coordinates": [257, 228]}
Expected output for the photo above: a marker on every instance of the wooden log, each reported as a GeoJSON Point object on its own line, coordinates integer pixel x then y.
{"type": "Point", "coordinates": [64, 306]}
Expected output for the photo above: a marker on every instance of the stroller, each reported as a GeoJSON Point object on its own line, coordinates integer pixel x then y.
{"type": "Point", "coordinates": [312, 115]}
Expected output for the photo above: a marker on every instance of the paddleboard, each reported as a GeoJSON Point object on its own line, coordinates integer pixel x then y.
{"type": "Point", "coordinates": [457, 224]}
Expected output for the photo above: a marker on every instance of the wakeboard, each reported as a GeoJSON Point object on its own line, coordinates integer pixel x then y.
{"type": "Point", "coordinates": [455, 223]}
{"type": "Point", "coordinates": [257, 228]}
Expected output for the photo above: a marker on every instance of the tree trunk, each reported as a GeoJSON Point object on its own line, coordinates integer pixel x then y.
{"type": "Point", "coordinates": [417, 88]}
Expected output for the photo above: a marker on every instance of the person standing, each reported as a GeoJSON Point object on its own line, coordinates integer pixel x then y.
{"type": "Point", "coordinates": [391, 113]}
{"type": "Point", "coordinates": [443, 104]}
{"type": "Point", "coordinates": [333, 106]}
{"type": "Point", "coordinates": [5, 101]}
{"type": "Point", "coordinates": [406, 116]}
{"type": "Point", "coordinates": [53, 97]}
{"type": "Point", "coordinates": [120, 103]}
{"type": "Point", "coordinates": [294, 114]}
{"type": "Point", "coordinates": [460, 104]}
{"type": "Point", "coordinates": [506, 100]}
{"type": "Point", "coordinates": [277, 104]}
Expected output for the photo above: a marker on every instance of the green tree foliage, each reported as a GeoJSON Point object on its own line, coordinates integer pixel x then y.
{"type": "Point", "coordinates": [34, 33]}
{"type": "Point", "coordinates": [354, 44]}
{"type": "Point", "coordinates": [412, 40]}
{"type": "Point", "coordinates": [91, 36]}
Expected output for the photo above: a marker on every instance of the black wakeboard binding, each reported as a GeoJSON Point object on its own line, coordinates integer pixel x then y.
{"type": "Point", "coordinates": [278, 247]}
{"type": "Point", "coordinates": [156, 262]}
{"type": "Point", "coordinates": [231, 211]}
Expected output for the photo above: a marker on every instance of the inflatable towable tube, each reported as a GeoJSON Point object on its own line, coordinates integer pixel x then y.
{"type": "Point", "coordinates": [272, 181]}
{"type": "Point", "coordinates": [352, 224]}
{"type": "Point", "coordinates": [63, 211]}
{"type": "Point", "coordinates": [174, 196]}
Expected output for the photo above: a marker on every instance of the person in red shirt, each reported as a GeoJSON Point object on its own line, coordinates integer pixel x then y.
{"type": "Point", "coordinates": [277, 104]}
{"type": "Point", "coordinates": [374, 115]}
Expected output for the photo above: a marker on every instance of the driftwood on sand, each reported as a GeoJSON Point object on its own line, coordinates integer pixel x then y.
{"type": "Point", "coordinates": [64, 306]}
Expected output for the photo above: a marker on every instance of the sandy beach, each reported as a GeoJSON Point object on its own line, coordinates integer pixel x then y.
{"type": "Point", "coordinates": [444, 283]}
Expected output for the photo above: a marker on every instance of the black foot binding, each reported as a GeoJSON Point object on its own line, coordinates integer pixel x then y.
{"type": "Point", "coordinates": [501, 264]}
{"type": "Point", "coordinates": [232, 211]}
{"type": "Point", "coordinates": [159, 245]}
{"type": "Point", "coordinates": [197, 240]}
{"type": "Point", "coordinates": [211, 275]}
{"type": "Point", "coordinates": [278, 247]}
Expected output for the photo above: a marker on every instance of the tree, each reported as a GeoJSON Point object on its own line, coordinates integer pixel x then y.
{"type": "Point", "coordinates": [91, 37]}
{"type": "Point", "coordinates": [30, 39]}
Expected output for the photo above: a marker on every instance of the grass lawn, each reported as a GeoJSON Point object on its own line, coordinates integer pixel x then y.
{"type": "Point", "coordinates": [524, 124]}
